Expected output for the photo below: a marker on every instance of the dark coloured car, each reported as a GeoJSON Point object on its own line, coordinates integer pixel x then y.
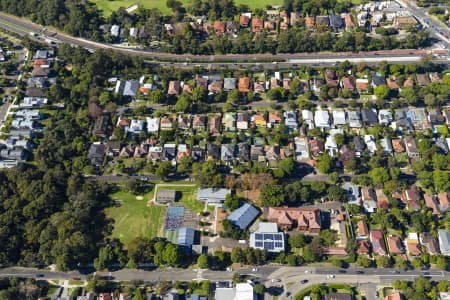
{"type": "Point", "coordinates": [359, 272]}
{"type": "Point", "coordinates": [304, 281]}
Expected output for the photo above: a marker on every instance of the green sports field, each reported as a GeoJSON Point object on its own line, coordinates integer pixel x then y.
{"type": "Point", "coordinates": [133, 218]}
{"type": "Point", "coordinates": [109, 6]}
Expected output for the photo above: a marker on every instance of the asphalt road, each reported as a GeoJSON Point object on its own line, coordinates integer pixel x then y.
{"type": "Point", "coordinates": [24, 27]}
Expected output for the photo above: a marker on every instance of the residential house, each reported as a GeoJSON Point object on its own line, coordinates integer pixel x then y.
{"type": "Point", "coordinates": [127, 151]}
{"type": "Point", "coordinates": [215, 86]}
{"type": "Point", "coordinates": [101, 126]}
{"type": "Point", "coordinates": [346, 155]}
{"type": "Point", "coordinates": [336, 22]}
{"type": "Point", "coordinates": [290, 119]}
{"type": "Point", "coordinates": [244, 84]}
{"type": "Point", "coordinates": [268, 238]}
{"type": "Point", "coordinates": [199, 122]}
{"type": "Point", "coordinates": [409, 82]}
{"type": "Point", "coordinates": [348, 83]}
{"type": "Point", "coordinates": [96, 153]}
{"type": "Point", "coordinates": [273, 119]}
{"type": "Point", "coordinates": [259, 120]}
{"type": "Point", "coordinates": [412, 148]}
{"type": "Point", "coordinates": [354, 119]}
{"type": "Point", "coordinates": [232, 27]}
{"type": "Point", "coordinates": [257, 153]}
{"type": "Point", "coordinates": [243, 216]}
{"type": "Point", "coordinates": [284, 23]}
{"type": "Point", "coordinates": [308, 118]}
{"type": "Point", "coordinates": [331, 146]}
{"type": "Point", "coordinates": [136, 126]}
{"type": "Point", "coordinates": [184, 122]}
{"type": "Point", "coordinates": [242, 121]}
{"type": "Point", "coordinates": [259, 87]}
{"type": "Point", "coordinates": [403, 120]}
{"type": "Point", "coordinates": [322, 119]}
{"type": "Point", "coordinates": [369, 140]}
{"type": "Point", "coordinates": [301, 148]}
{"type": "Point", "coordinates": [214, 124]}
{"type": "Point", "coordinates": [382, 199]}
{"type": "Point", "coordinates": [323, 21]}
{"type": "Point", "coordinates": [392, 84]}
{"type": "Point", "coordinates": [386, 145]}
{"type": "Point", "coordinates": [397, 144]}
{"type": "Point", "coordinates": [219, 27]}
{"type": "Point", "coordinates": [244, 20]}
{"type": "Point", "coordinates": [331, 78]}
{"type": "Point", "coordinates": [174, 87]}
{"type": "Point", "coordinates": [153, 124]}
{"type": "Point", "coordinates": [352, 192]}
{"type": "Point", "coordinates": [257, 25]}
{"type": "Point", "coordinates": [310, 22]}
{"type": "Point", "coordinates": [362, 84]}
{"type": "Point", "coordinates": [166, 123]}
{"type": "Point", "coordinates": [169, 152]}
{"type": "Point", "coordinates": [419, 118]}
{"type": "Point", "coordinates": [227, 152]}
{"type": "Point", "coordinates": [377, 240]}
{"type": "Point", "coordinates": [412, 197]}
{"type": "Point", "coordinates": [339, 118]}
{"type": "Point", "coordinates": [422, 80]}
{"type": "Point", "coordinates": [442, 145]}
{"type": "Point", "coordinates": [444, 204]}
{"type": "Point", "coordinates": [213, 151]}
{"type": "Point", "coordinates": [362, 247]}
{"type": "Point", "coordinates": [243, 152]}
{"type": "Point", "coordinates": [229, 121]}
{"type": "Point", "coordinates": [229, 83]}
{"type": "Point", "coordinates": [349, 24]}
{"type": "Point", "coordinates": [429, 242]}
{"type": "Point", "coordinates": [154, 153]}
{"type": "Point", "coordinates": [385, 117]}
{"type": "Point", "coordinates": [369, 116]}
{"type": "Point", "coordinates": [362, 230]}
{"type": "Point", "coordinates": [301, 219]}
{"type": "Point", "coordinates": [395, 245]}
{"type": "Point", "coordinates": [444, 241]}
{"type": "Point", "coordinates": [198, 154]}
{"type": "Point", "coordinates": [378, 80]}
{"type": "Point", "coordinates": [316, 147]}
{"type": "Point", "coordinates": [431, 201]}
{"type": "Point", "coordinates": [369, 199]}
{"type": "Point", "coordinates": [413, 248]}
{"type": "Point", "coordinates": [183, 151]}
{"type": "Point", "coordinates": [294, 18]}
{"type": "Point", "coordinates": [272, 152]}
{"type": "Point", "coordinates": [435, 117]}
{"type": "Point", "coordinates": [270, 25]}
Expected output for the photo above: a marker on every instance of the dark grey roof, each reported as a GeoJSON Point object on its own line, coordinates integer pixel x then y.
{"type": "Point", "coordinates": [369, 116]}
{"type": "Point", "coordinates": [359, 145]}
{"type": "Point", "coordinates": [442, 146]}
{"type": "Point", "coordinates": [378, 80]}
{"type": "Point", "coordinates": [165, 195]}
{"type": "Point", "coordinates": [213, 151]}
{"type": "Point", "coordinates": [336, 21]}
{"type": "Point", "coordinates": [243, 216]}
{"type": "Point", "coordinates": [243, 152]}
{"type": "Point", "coordinates": [96, 153]}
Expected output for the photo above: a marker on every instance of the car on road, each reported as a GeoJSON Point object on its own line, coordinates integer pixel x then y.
{"type": "Point", "coordinates": [342, 271]}
{"type": "Point", "coordinates": [329, 276]}
{"type": "Point", "coordinates": [40, 275]}
{"type": "Point", "coordinates": [76, 278]}
{"type": "Point", "coordinates": [304, 281]}
{"type": "Point", "coordinates": [275, 280]}
{"type": "Point", "coordinates": [395, 272]}
{"type": "Point", "coordinates": [255, 270]}
{"type": "Point", "coordinates": [359, 272]}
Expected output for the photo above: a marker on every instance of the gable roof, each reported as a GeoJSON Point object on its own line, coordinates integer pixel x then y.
{"type": "Point", "coordinates": [243, 216]}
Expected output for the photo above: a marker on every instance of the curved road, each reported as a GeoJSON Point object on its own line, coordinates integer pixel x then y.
{"type": "Point", "coordinates": [24, 27]}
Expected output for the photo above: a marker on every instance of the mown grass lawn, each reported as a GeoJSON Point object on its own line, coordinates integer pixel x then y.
{"type": "Point", "coordinates": [108, 6]}
{"type": "Point", "coordinates": [188, 197]}
{"type": "Point", "coordinates": [133, 218]}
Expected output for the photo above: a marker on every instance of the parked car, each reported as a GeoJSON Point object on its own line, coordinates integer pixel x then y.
{"type": "Point", "coordinates": [304, 281]}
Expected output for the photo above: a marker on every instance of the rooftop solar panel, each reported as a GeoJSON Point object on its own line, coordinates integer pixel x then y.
{"type": "Point", "coordinates": [258, 236]}
{"type": "Point", "coordinates": [268, 245]}
{"type": "Point", "coordinates": [278, 237]}
{"type": "Point", "coordinates": [278, 245]}
{"type": "Point", "coordinates": [268, 236]}
{"type": "Point", "coordinates": [258, 244]}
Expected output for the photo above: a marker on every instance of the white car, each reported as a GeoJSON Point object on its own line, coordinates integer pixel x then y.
{"type": "Point", "coordinates": [255, 270]}
{"type": "Point", "coordinates": [275, 280]}
{"type": "Point", "coordinates": [329, 276]}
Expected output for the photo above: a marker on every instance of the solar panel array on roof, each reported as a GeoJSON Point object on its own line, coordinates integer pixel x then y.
{"type": "Point", "coordinates": [272, 242]}
{"type": "Point", "coordinates": [174, 217]}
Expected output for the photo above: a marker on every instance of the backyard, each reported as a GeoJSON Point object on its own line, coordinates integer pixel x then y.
{"type": "Point", "coordinates": [133, 218]}
{"type": "Point", "coordinates": [109, 6]}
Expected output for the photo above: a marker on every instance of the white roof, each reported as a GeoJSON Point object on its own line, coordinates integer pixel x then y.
{"type": "Point", "coordinates": [322, 118]}
{"type": "Point", "coordinates": [339, 117]}
{"type": "Point", "coordinates": [152, 124]}
{"type": "Point", "coordinates": [307, 115]}
{"type": "Point", "coordinates": [413, 236]}
{"type": "Point", "coordinates": [244, 291]}
{"type": "Point", "coordinates": [267, 227]}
